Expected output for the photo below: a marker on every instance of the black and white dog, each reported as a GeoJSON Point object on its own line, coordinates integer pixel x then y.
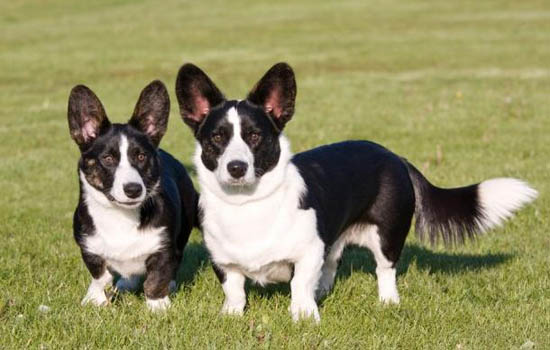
{"type": "Point", "coordinates": [137, 204]}
{"type": "Point", "coordinates": [272, 216]}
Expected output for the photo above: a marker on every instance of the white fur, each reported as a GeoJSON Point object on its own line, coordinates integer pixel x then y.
{"type": "Point", "coordinates": [125, 173]}
{"type": "Point", "coordinates": [500, 198]}
{"type": "Point", "coordinates": [258, 231]}
{"type": "Point", "coordinates": [237, 149]}
{"type": "Point", "coordinates": [235, 298]}
{"type": "Point", "coordinates": [117, 237]}
{"type": "Point", "coordinates": [96, 290]}
{"type": "Point", "coordinates": [158, 305]}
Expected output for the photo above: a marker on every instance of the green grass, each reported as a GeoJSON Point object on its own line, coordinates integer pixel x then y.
{"type": "Point", "coordinates": [459, 88]}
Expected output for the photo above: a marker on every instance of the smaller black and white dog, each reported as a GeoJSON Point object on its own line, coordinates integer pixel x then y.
{"type": "Point", "coordinates": [271, 216]}
{"type": "Point", "coordinates": [137, 204]}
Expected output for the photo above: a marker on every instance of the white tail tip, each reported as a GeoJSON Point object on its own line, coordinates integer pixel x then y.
{"type": "Point", "coordinates": [500, 198]}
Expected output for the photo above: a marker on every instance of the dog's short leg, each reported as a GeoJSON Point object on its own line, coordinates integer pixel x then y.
{"type": "Point", "coordinates": [96, 290]}
{"type": "Point", "coordinates": [235, 296]}
{"type": "Point", "coordinates": [161, 269]}
{"type": "Point", "coordinates": [307, 272]}
{"type": "Point", "coordinates": [327, 278]}
{"type": "Point", "coordinates": [385, 268]}
{"type": "Point", "coordinates": [330, 268]}
{"type": "Point", "coordinates": [101, 278]}
{"type": "Point", "coordinates": [387, 286]}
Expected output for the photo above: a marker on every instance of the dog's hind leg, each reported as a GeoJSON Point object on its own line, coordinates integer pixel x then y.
{"type": "Point", "coordinates": [386, 253]}
{"type": "Point", "coordinates": [330, 267]}
{"type": "Point", "coordinates": [385, 269]}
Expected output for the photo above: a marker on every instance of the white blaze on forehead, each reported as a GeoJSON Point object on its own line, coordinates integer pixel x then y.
{"type": "Point", "coordinates": [125, 173]}
{"type": "Point", "coordinates": [236, 149]}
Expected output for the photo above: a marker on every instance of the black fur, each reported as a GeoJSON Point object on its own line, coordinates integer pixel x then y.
{"type": "Point", "coordinates": [197, 95]}
{"type": "Point", "coordinates": [454, 214]}
{"type": "Point", "coordinates": [358, 183]}
{"type": "Point", "coordinates": [264, 145]}
{"type": "Point", "coordinates": [215, 134]}
{"type": "Point", "coordinates": [276, 93]}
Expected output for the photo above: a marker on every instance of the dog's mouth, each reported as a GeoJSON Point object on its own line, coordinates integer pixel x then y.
{"type": "Point", "coordinates": [238, 183]}
{"type": "Point", "coordinates": [127, 204]}
{"type": "Point", "coordinates": [132, 203]}
{"type": "Point", "coordinates": [239, 186]}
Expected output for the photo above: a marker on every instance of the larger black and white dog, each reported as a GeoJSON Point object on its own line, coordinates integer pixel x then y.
{"type": "Point", "coordinates": [137, 205]}
{"type": "Point", "coordinates": [272, 216]}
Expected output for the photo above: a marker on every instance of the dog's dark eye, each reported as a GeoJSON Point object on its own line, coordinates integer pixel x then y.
{"type": "Point", "coordinates": [217, 138]}
{"type": "Point", "coordinates": [254, 137]}
{"type": "Point", "coordinates": [141, 157]}
{"type": "Point", "coordinates": [108, 159]}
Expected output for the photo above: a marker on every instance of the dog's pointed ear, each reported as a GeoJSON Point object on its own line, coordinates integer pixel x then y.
{"type": "Point", "coordinates": [276, 93]}
{"type": "Point", "coordinates": [152, 111]}
{"type": "Point", "coordinates": [86, 115]}
{"type": "Point", "coordinates": [196, 94]}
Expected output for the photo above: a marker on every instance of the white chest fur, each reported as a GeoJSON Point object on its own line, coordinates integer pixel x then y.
{"type": "Point", "coordinates": [261, 237]}
{"type": "Point", "coordinates": [119, 241]}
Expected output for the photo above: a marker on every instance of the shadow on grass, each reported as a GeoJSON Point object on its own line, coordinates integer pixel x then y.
{"type": "Point", "coordinates": [359, 259]}
{"type": "Point", "coordinates": [356, 259]}
{"type": "Point", "coordinates": [194, 261]}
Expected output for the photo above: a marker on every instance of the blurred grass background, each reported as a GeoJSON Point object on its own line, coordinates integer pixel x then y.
{"type": "Point", "coordinates": [460, 88]}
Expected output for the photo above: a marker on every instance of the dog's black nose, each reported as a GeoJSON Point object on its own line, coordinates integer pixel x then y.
{"type": "Point", "coordinates": [237, 169]}
{"type": "Point", "coordinates": [133, 189]}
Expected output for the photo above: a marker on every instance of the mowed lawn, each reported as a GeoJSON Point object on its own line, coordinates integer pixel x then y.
{"type": "Point", "coordinates": [460, 88]}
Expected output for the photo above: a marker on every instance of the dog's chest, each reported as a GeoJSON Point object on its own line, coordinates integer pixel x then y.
{"type": "Point", "coordinates": [118, 240]}
{"type": "Point", "coordinates": [261, 239]}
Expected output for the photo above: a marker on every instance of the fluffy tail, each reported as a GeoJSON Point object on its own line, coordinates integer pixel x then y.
{"type": "Point", "coordinates": [458, 213]}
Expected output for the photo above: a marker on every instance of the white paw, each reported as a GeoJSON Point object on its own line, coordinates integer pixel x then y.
{"type": "Point", "coordinates": [233, 308]}
{"type": "Point", "coordinates": [127, 284]}
{"type": "Point", "coordinates": [95, 297]}
{"type": "Point", "coordinates": [389, 298]}
{"type": "Point", "coordinates": [158, 305]}
{"type": "Point", "coordinates": [304, 310]}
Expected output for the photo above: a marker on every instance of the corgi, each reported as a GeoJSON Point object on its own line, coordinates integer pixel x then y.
{"type": "Point", "coordinates": [137, 204]}
{"type": "Point", "coordinates": [273, 216]}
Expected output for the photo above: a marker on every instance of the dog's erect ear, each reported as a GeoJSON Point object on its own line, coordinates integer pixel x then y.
{"type": "Point", "coordinates": [276, 93]}
{"type": "Point", "coordinates": [152, 111]}
{"type": "Point", "coordinates": [87, 117]}
{"type": "Point", "coordinates": [197, 94]}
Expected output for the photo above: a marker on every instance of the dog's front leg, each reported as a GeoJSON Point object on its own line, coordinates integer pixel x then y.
{"type": "Point", "coordinates": [307, 272]}
{"type": "Point", "coordinates": [101, 278]}
{"type": "Point", "coordinates": [161, 270]}
{"type": "Point", "coordinates": [235, 296]}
